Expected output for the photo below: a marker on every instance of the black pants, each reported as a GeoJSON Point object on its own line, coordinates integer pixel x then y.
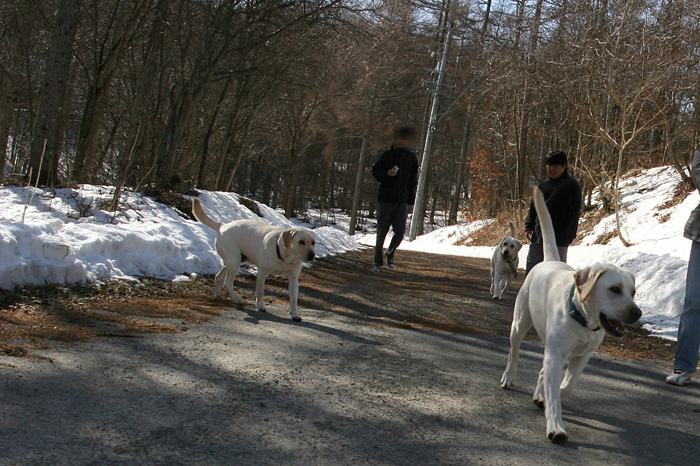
{"type": "Point", "coordinates": [391, 215]}
{"type": "Point", "coordinates": [536, 255]}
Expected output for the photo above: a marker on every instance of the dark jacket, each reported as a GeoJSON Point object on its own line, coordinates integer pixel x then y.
{"type": "Point", "coordinates": [400, 189]}
{"type": "Point", "coordinates": [563, 197]}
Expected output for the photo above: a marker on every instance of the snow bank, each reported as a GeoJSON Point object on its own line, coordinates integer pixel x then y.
{"type": "Point", "coordinates": [658, 257]}
{"type": "Point", "coordinates": [659, 254]}
{"type": "Point", "coordinates": [68, 239]}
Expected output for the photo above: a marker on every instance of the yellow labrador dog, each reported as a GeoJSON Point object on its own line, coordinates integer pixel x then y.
{"type": "Point", "coordinates": [569, 309]}
{"type": "Point", "coordinates": [504, 263]}
{"type": "Point", "coordinates": [273, 250]}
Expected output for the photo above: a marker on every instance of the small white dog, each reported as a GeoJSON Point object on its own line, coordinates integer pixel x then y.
{"type": "Point", "coordinates": [568, 308]}
{"type": "Point", "coordinates": [273, 250]}
{"type": "Point", "coordinates": [504, 263]}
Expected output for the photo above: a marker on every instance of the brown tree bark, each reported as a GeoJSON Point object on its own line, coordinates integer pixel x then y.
{"type": "Point", "coordinates": [51, 115]}
{"type": "Point", "coordinates": [5, 123]}
{"type": "Point", "coordinates": [463, 163]}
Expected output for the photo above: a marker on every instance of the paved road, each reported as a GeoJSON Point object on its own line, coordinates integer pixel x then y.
{"type": "Point", "coordinates": [251, 389]}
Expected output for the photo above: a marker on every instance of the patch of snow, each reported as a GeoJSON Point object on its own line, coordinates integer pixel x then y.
{"type": "Point", "coordinates": [68, 239]}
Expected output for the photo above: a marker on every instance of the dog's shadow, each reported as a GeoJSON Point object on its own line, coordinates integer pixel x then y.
{"type": "Point", "coordinates": [255, 317]}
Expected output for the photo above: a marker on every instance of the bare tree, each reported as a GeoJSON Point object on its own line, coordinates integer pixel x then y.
{"type": "Point", "coordinates": [49, 126]}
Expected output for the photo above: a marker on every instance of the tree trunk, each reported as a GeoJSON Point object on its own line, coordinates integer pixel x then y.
{"type": "Point", "coordinates": [485, 23]}
{"type": "Point", "coordinates": [5, 123]}
{"type": "Point", "coordinates": [51, 114]}
{"type": "Point", "coordinates": [87, 137]}
{"type": "Point", "coordinates": [144, 90]}
{"type": "Point", "coordinates": [360, 174]}
{"type": "Point", "coordinates": [616, 194]}
{"type": "Point", "coordinates": [291, 187]}
{"type": "Point", "coordinates": [204, 157]}
{"type": "Point", "coordinates": [461, 168]}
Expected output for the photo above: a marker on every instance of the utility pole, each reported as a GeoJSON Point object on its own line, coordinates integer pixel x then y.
{"type": "Point", "coordinates": [356, 195]}
{"type": "Point", "coordinates": [422, 179]}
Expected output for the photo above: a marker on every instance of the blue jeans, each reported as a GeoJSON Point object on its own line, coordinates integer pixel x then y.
{"type": "Point", "coordinates": [689, 328]}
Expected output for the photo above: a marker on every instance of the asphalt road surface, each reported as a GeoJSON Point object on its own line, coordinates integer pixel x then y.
{"type": "Point", "coordinates": [257, 389]}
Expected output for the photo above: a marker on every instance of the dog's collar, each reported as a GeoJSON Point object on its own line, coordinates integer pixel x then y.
{"type": "Point", "coordinates": [277, 245]}
{"type": "Point", "coordinates": [575, 313]}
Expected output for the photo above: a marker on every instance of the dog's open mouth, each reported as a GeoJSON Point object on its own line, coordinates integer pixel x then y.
{"type": "Point", "coordinates": [612, 326]}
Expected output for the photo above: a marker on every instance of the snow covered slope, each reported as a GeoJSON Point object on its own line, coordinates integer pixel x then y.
{"type": "Point", "coordinates": [652, 219]}
{"type": "Point", "coordinates": [67, 239]}
{"type": "Point", "coordinates": [653, 222]}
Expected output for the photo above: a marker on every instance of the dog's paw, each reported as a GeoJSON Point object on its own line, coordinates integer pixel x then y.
{"type": "Point", "coordinates": [558, 436]}
{"type": "Point", "coordinates": [262, 309]}
{"type": "Point", "coordinates": [566, 390]}
{"type": "Point", "coordinates": [296, 319]}
{"type": "Point", "coordinates": [497, 298]}
{"type": "Point", "coordinates": [539, 402]}
{"type": "Point", "coordinates": [506, 382]}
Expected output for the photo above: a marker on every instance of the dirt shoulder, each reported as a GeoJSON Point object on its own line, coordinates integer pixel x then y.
{"type": "Point", "coordinates": [427, 291]}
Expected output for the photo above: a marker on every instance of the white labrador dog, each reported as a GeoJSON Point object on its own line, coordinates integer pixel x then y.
{"type": "Point", "coordinates": [273, 250]}
{"type": "Point", "coordinates": [568, 308]}
{"type": "Point", "coordinates": [504, 263]}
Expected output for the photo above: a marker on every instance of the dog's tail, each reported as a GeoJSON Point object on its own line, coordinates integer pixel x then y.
{"type": "Point", "coordinates": [512, 229]}
{"type": "Point", "coordinates": [551, 253]}
{"type": "Point", "coordinates": [202, 216]}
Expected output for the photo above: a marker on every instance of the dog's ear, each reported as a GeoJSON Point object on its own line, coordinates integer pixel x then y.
{"type": "Point", "coordinates": [586, 279]}
{"type": "Point", "coordinates": [287, 238]}
{"type": "Point", "coordinates": [518, 246]}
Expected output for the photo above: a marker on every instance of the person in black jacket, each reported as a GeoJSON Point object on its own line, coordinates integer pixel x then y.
{"type": "Point", "coordinates": [564, 197]}
{"type": "Point", "coordinates": [397, 172]}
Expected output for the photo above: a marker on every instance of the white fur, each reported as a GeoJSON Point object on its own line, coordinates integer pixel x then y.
{"type": "Point", "coordinates": [257, 243]}
{"type": "Point", "coordinates": [604, 295]}
{"type": "Point", "coordinates": [504, 263]}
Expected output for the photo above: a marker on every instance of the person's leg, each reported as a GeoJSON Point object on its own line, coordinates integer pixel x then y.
{"type": "Point", "coordinates": [689, 328]}
{"type": "Point", "coordinates": [384, 213]}
{"type": "Point", "coordinates": [398, 224]}
{"type": "Point", "coordinates": [534, 256]}
{"type": "Point", "coordinates": [563, 252]}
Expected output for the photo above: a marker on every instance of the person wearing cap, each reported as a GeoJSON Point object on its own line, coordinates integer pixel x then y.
{"type": "Point", "coordinates": [397, 172]}
{"type": "Point", "coordinates": [563, 196]}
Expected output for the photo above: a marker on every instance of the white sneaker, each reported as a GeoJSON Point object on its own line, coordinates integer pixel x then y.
{"type": "Point", "coordinates": [679, 377]}
{"type": "Point", "coordinates": [376, 269]}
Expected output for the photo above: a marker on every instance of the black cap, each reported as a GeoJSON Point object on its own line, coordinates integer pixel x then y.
{"type": "Point", "coordinates": [556, 158]}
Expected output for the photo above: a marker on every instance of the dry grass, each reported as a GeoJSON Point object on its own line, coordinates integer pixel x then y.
{"type": "Point", "coordinates": [36, 318]}
{"type": "Point", "coordinates": [491, 234]}
{"type": "Point", "coordinates": [680, 193]}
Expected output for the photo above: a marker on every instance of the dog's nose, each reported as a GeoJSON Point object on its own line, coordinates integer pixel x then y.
{"type": "Point", "coordinates": [312, 255]}
{"type": "Point", "coordinates": [635, 313]}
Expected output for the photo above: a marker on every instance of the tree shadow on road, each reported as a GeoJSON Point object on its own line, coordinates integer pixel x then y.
{"type": "Point", "coordinates": [255, 317]}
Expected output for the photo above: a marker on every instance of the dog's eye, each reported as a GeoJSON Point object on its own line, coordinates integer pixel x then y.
{"type": "Point", "coordinates": [301, 242]}
{"type": "Point", "coordinates": [313, 243]}
{"type": "Point", "coordinates": [616, 290]}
